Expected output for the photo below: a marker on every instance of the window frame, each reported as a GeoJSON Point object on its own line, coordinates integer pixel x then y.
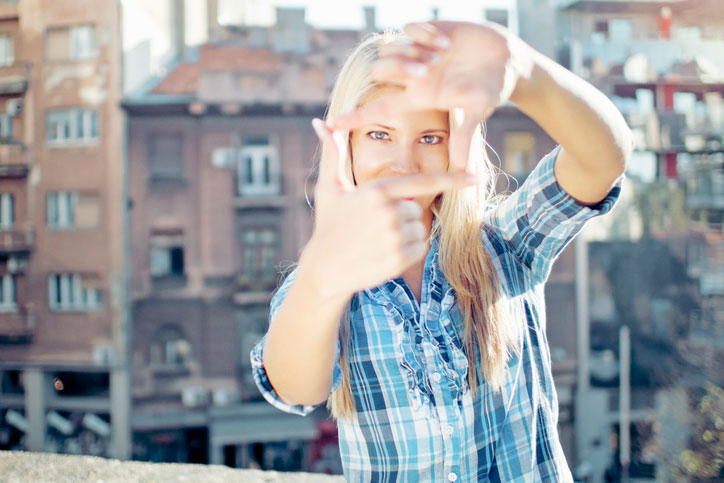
{"type": "Point", "coordinates": [68, 293]}
{"type": "Point", "coordinates": [87, 132]}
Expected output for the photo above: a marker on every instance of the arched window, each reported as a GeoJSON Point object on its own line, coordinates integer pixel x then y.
{"type": "Point", "coordinates": [170, 347]}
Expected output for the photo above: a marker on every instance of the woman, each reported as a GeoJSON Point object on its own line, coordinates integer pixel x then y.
{"type": "Point", "coordinates": [417, 308]}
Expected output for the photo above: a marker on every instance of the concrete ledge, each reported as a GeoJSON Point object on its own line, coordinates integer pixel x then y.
{"type": "Point", "coordinates": [42, 467]}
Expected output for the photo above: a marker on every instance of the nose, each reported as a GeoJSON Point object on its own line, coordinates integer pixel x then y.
{"type": "Point", "coordinates": [405, 160]}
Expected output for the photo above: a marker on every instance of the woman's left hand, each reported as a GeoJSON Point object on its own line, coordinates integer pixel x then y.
{"type": "Point", "coordinates": [465, 68]}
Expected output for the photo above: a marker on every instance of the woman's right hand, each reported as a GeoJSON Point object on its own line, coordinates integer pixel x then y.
{"type": "Point", "coordinates": [365, 235]}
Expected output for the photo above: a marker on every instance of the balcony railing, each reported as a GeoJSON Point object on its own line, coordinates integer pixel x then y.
{"type": "Point", "coordinates": [14, 78]}
{"type": "Point", "coordinates": [254, 287]}
{"type": "Point", "coordinates": [17, 326]}
{"type": "Point", "coordinates": [17, 240]}
{"type": "Point", "coordinates": [14, 159]}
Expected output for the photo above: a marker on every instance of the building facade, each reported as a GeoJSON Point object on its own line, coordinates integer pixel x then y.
{"type": "Point", "coordinates": [65, 384]}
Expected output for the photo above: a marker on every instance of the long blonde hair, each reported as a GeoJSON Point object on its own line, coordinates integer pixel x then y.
{"type": "Point", "coordinates": [488, 332]}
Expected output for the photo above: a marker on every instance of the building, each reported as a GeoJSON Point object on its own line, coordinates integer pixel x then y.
{"type": "Point", "coordinates": [63, 319]}
{"type": "Point", "coordinates": [220, 154]}
{"type": "Point", "coordinates": [660, 62]}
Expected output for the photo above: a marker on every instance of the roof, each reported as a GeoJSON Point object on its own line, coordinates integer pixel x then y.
{"type": "Point", "coordinates": [185, 78]}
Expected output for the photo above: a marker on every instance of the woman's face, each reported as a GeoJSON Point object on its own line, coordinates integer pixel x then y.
{"type": "Point", "coordinates": [406, 144]}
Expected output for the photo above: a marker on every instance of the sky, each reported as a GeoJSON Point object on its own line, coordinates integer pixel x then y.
{"type": "Point", "coordinates": [348, 13]}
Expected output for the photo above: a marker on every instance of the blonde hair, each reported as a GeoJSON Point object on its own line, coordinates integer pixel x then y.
{"type": "Point", "coordinates": [487, 329]}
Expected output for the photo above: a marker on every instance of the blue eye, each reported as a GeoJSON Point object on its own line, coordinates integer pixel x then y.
{"type": "Point", "coordinates": [430, 139]}
{"type": "Point", "coordinates": [378, 135]}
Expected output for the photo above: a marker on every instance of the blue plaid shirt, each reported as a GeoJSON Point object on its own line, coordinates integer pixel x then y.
{"type": "Point", "coordinates": [416, 419]}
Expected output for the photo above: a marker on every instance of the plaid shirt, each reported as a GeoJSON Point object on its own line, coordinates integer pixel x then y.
{"type": "Point", "coordinates": [415, 417]}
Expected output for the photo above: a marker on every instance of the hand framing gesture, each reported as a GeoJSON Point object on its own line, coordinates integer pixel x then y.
{"type": "Point", "coordinates": [364, 235]}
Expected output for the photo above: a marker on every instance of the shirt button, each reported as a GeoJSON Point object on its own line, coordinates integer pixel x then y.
{"type": "Point", "coordinates": [449, 430]}
{"type": "Point", "coordinates": [435, 376]}
{"type": "Point", "coordinates": [452, 477]}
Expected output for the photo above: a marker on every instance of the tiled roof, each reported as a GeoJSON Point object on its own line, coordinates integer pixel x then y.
{"type": "Point", "coordinates": [185, 78]}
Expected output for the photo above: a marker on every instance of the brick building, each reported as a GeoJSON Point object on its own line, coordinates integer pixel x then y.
{"type": "Point", "coordinates": [63, 312]}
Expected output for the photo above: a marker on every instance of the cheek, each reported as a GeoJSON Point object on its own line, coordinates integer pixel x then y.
{"type": "Point", "coordinates": [367, 161]}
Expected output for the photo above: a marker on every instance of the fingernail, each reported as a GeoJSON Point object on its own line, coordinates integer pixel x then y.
{"type": "Point", "coordinates": [317, 125]}
{"type": "Point", "coordinates": [414, 69]}
{"type": "Point", "coordinates": [442, 41]}
{"type": "Point", "coordinates": [434, 58]}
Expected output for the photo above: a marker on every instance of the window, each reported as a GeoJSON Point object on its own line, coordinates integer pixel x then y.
{"type": "Point", "coordinates": [166, 156]}
{"type": "Point", "coordinates": [71, 125]}
{"type": "Point", "coordinates": [7, 293]}
{"type": "Point", "coordinates": [7, 50]}
{"type": "Point", "coordinates": [74, 292]}
{"type": "Point", "coordinates": [169, 347]}
{"type": "Point", "coordinates": [497, 15]}
{"type": "Point", "coordinates": [71, 43]}
{"type": "Point", "coordinates": [6, 126]}
{"type": "Point", "coordinates": [258, 171]}
{"type": "Point", "coordinates": [7, 211]}
{"type": "Point", "coordinates": [167, 255]}
{"type": "Point", "coordinates": [70, 209]}
{"type": "Point", "coordinates": [518, 153]}
{"type": "Point", "coordinates": [260, 247]}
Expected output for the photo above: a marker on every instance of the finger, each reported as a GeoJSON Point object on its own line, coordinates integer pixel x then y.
{"type": "Point", "coordinates": [413, 252]}
{"type": "Point", "coordinates": [331, 160]}
{"type": "Point", "coordinates": [412, 51]}
{"type": "Point", "coordinates": [376, 111]}
{"type": "Point", "coordinates": [424, 184]}
{"type": "Point", "coordinates": [461, 136]}
{"type": "Point", "coordinates": [409, 210]}
{"type": "Point", "coordinates": [427, 34]}
{"type": "Point", "coordinates": [398, 69]}
{"type": "Point", "coordinates": [412, 232]}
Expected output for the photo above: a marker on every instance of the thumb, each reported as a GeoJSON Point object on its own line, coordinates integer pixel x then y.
{"type": "Point", "coordinates": [332, 175]}
{"type": "Point", "coordinates": [461, 136]}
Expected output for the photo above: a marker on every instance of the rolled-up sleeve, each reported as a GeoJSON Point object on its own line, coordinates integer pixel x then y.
{"type": "Point", "coordinates": [540, 218]}
{"type": "Point", "coordinates": [257, 365]}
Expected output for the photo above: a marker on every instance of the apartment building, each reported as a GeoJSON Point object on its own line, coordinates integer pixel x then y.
{"type": "Point", "coordinates": [65, 386]}
{"type": "Point", "coordinates": [660, 61]}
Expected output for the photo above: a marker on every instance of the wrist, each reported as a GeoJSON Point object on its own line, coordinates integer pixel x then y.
{"type": "Point", "coordinates": [317, 271]}
{"type": "Point", "coordinates": [528, 67]}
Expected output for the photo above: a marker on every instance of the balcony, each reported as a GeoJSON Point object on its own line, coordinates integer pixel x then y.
{"type": "Point", "coordinates": [17, 326]}
{"type": "Point", "coordinates": [254, 288]}
{"type": "Point", "coordinates": [14, 159]}
{"type": "Point", "coordinates": [14, 79]}
{"type": "Point", "coordinates": [17, 240]}
{"type": "Point", "coordinates": [256, 202]}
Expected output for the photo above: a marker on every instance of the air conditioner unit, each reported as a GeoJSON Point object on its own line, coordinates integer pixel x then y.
{"type": "Point", "coordinates": [194, 396]}
{"type": "Point", "coordinates": [104, 354]}
{"type": "Point", "coordinates": [16, 265]}
{"type": "Point", "coordinates": [224, 396]}
{"type": "Point", "coordinates": [13, 106]}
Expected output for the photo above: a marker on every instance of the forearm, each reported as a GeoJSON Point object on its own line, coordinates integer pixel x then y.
{"type": "Point", "coordinates": [300, 346]}
{"type": "Point", "coordinates": [574, 113]}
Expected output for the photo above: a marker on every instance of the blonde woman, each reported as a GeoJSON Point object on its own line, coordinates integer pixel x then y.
{"type": "Point", "coordinates": [416, 310]}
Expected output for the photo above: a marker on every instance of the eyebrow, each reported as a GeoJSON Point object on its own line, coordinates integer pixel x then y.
{"type": "Point", "coordinates": [426, 131]}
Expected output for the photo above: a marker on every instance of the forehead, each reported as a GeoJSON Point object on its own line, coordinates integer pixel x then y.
{"type": "Point", "coordinates": [427, 116]}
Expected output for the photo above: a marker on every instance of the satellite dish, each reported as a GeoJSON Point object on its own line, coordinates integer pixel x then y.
{"type": "Point", "coordinates": [637, 68]}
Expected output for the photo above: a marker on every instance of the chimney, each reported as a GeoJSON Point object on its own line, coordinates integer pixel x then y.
{"type": "Point", "coordinates": [212, 19]}
{"type": "Point", "coordinates": [370, 18]}
{"type": "Point", "coordinates": [178, 28]}
{"type": "Point", "coordinates": [291, 33]}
